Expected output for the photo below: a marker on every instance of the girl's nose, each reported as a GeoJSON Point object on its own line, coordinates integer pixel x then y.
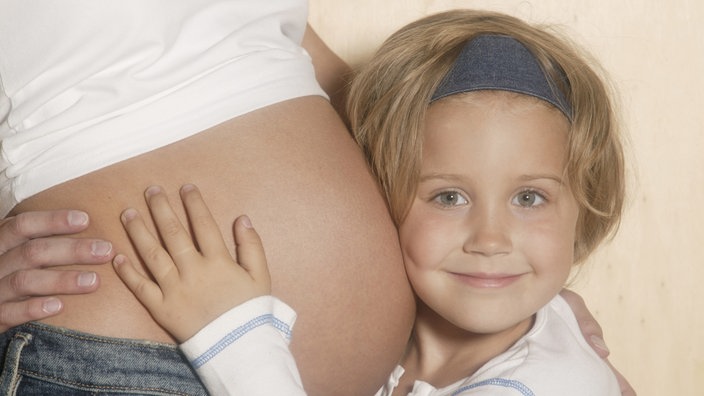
{"type": "Point", "coordinates": [488, 232]}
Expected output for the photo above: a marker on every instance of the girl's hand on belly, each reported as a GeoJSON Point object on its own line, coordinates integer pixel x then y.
{"type": "Point", "coordinates": [31, 243]}
{"type": "Point", "coordinates": [194, 281]}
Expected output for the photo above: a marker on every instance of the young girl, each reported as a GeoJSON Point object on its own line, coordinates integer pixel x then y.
{"type": "Point", "coordinates": [495, 144]}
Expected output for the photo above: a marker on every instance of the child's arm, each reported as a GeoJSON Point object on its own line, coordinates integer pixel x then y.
{"type": "Point", "coordinates": [235, 335]}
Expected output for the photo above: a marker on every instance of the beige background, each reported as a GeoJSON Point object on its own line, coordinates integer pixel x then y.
{"type": "Point", "coordinates": [647, 285]}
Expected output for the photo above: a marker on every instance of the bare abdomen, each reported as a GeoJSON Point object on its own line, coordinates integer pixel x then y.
{"type": "Point", "coordinates": [330, 243]}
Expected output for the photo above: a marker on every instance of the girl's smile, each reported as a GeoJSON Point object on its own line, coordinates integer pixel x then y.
{"type": "Point", "coordinates": [481, 280]}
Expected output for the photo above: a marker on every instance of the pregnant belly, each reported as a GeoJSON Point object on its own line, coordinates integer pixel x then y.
{"type": "Point", "coordinates": [330, 243]}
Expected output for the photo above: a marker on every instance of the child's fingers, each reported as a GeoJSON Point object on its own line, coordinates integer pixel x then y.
{"type": "Point", "coordinates": [148, 247]}
{"type": "Point", "coordinates": [146, 291]}
{"type": "Point", "coordinates": [177, 240]}
{"type": "Point", "coordinates": [250, 252]}
{"type": "Point", "coordinates": [205, 230]}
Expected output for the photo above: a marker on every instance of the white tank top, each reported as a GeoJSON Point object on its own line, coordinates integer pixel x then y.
{"type": "Point", "coordinates": [87, 83]}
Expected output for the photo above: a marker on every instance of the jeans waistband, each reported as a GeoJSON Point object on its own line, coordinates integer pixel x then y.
{"type": "Point", "coordinates": [85, 361]}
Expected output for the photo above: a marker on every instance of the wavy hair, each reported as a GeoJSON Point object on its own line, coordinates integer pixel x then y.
{"type": "Point", "coordinates": [389, 97]}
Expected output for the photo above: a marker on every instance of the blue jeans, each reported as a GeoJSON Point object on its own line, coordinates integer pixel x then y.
{"type": "Point", "coordinates": [38, 359]}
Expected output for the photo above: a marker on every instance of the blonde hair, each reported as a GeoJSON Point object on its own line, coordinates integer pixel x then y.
{"type": "Point", "coordinates": [390, 95]}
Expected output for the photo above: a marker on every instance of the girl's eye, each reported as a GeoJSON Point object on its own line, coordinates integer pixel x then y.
{"type": "Point", "coordinates": [450, 198]}
{"type": "Point", "coordinates": [528, 199]}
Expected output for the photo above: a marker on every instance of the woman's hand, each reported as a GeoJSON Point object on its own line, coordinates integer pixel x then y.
{"type": "Point", "coordinates": [194, 283]}
{"type": "Point", "coordinates": [29, 246]}
{"type": "Point", "coordinates": [594, 335]}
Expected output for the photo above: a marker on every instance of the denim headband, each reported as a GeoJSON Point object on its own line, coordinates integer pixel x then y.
{"type": "Point", "coordinates": [495, 62]}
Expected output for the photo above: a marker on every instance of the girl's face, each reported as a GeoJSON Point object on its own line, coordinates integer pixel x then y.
{"type": "Point", "coordinates": [490, 235]}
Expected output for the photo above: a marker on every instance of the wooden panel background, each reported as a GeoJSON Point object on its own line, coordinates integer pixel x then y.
{"type": "Point", "coordinates": [644, 286]}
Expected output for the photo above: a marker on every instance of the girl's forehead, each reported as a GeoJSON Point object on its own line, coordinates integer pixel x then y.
{"type": "Point", "coordinates": [498, 100]}
{"type": "Point", "coordinates": [494, 97]}
{"type": "Point", "coordinates": [497, 137]}
{"type": "Point", "coordinates": [475, 122]}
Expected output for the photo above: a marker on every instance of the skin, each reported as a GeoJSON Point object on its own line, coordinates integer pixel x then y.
{"type": "Point", "coordinates": [30, 248]}
{"type": "Point", "coordinates": [489, 237]}
{"type": "Point", "coordinates": [193, 283]}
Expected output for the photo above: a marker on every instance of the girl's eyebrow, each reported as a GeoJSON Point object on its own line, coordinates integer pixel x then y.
{"type": "Point", "coordinates": [440, 176]}
{"type": "Point", "coordinates": [450, 177]}
{"type": "Point", "coordinates": [540, 176]}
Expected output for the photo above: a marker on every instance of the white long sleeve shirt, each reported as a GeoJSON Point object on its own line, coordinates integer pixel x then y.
{"type": "Point", "coordinates": [245, 352]}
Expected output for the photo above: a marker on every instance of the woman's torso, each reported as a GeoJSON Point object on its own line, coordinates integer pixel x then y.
{"type": "Point", "coordinates": [88, 83]}
{"type": "Point", "coordinates": [331, 246]}
{"type": "Point", "coordinates": [95, 81]}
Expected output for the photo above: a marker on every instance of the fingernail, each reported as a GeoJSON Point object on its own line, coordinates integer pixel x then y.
{"type": "Point", "coordinates": [86, 279]}
{"type": "Point", "coordinates": [128, 215]}
{"type": "Point", "coordinates": [118, 260]}
{"type": "Point", "coordinates": [100, 248]}
{"type": "Point", "coordinates": [152, 190]}
{"type": "Point", "coordinates": [77, 218]}
{"type": "Point", "coordinates": [599, 343]}
{"type": "Point", "coordinates": [52, 305]}
{"type": "Point", "coordinates": [246, 221]}
{"type": "Point", "coordinates": [187, 188]}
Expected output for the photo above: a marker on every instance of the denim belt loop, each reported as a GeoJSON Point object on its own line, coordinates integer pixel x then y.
{"type": "Point", "coordinates": [9, 376]}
